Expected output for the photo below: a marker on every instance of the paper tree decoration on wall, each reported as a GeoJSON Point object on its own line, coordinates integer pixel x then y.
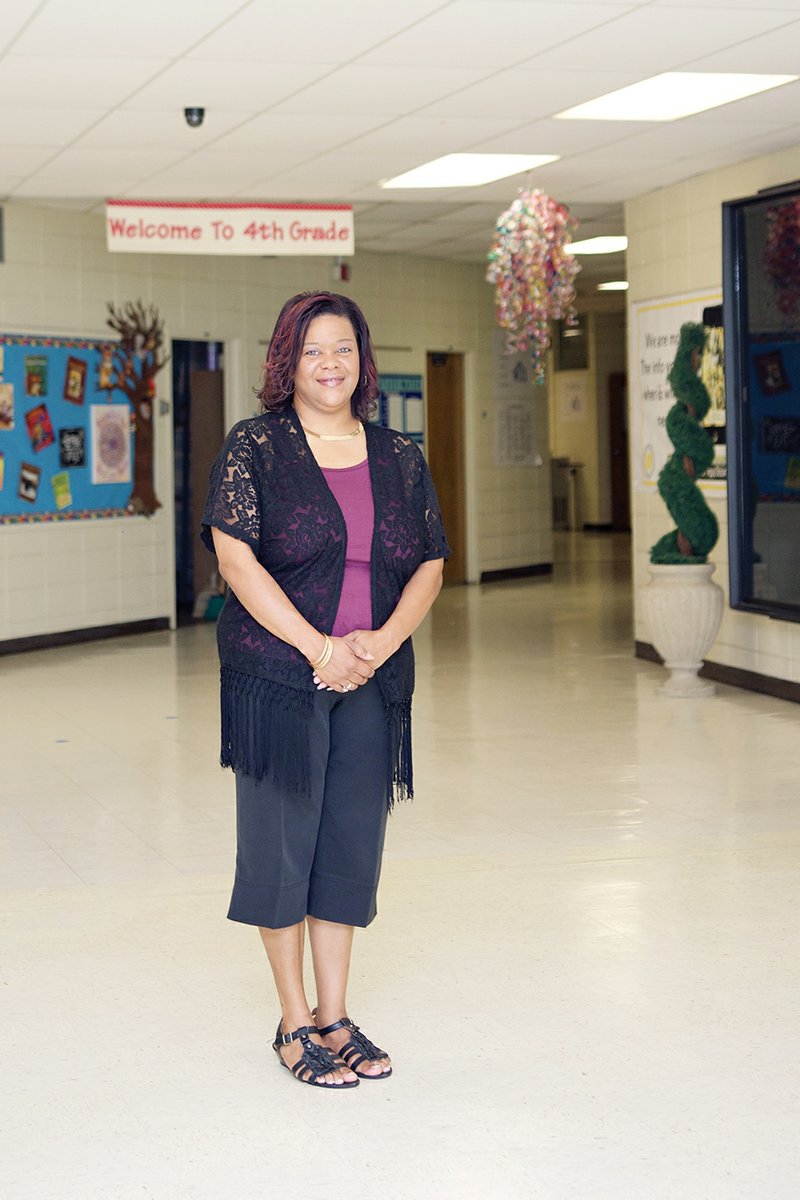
{"type": "Point", "coordinates": [533, 272]}
{"type": "Point", "coordinates": [137, 359]}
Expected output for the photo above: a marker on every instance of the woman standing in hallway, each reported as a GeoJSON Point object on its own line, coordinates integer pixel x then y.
{"type": "Point", "coordinates": [328, 533]}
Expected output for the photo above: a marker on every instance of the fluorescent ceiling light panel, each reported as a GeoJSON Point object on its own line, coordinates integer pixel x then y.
{"type": "Point", "coordinates": [467, 170]}
{"type": "Point", "coordinates": [673, 95]}
{"type": "Point", "coordinates": [614, 285]}
{"type": "Point", "coordinates": [598, 245]}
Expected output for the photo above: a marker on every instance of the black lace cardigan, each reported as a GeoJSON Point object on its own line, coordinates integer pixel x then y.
{"type": "Point", "coordinates": [267, 490]}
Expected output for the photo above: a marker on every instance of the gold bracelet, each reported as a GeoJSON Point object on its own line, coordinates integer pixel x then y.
{"type": "Point", "coordinates": [325, 657]}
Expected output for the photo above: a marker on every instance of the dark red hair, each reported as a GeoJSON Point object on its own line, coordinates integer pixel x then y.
{"type": "Point", "coordinates": [286, 345]}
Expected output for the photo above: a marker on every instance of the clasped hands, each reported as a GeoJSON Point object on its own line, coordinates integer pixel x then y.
{"type": "Point", "coordinates": [355, 659]}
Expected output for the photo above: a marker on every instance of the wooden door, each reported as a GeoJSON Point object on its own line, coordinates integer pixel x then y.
{"type": "Point", "coordinates": [444, 443]}
{"type": "Point", "coordinates": [618, 439]}
{"type": "Point", "coordinates": [207, 431]}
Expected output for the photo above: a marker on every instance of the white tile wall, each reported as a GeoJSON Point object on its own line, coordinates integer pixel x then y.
{"type": "Point", "coordinates": [675, 245]}
{"type": "Point", "coordinates": [58, 277]}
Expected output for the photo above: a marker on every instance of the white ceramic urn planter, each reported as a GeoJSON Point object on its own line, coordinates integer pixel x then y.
{"type": "Point", "coordinates": [683, 609]}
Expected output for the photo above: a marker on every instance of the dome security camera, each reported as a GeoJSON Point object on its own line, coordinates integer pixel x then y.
{"type": "Point", "coordinates": [194, 116]}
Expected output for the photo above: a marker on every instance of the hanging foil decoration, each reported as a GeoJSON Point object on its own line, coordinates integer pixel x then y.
{"type": "Point", "coordinates": [533, 272]}
{"type": "Point", "coordinates": [782, 255]}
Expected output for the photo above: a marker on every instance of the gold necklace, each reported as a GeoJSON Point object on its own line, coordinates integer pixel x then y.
{"type": "Point", "coordinates": [334, 437]}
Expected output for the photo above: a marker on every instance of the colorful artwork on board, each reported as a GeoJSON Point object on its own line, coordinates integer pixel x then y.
{"type": "Point", "coordinates": [28, 487]}
{"type": "Point", "coordinates": [61, 490]}
{"type": "Point", "coordinates": [72, 447]}
{"type": "Point", "coordinates": [35, 375]}
{"type": "Point", "coordinates": [75, 381]}
{"type": "Point", "coordinates": [6, 407]}
{"type": "Point", "coordinates": [105, 371]}
{"type": "Point", "coordinates": [40, 427]}
{"type": "Point", "coordinates": [111, 443]}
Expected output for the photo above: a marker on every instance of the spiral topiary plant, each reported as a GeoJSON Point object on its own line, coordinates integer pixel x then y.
{"type": "Point", "coordinates": [697, 528]}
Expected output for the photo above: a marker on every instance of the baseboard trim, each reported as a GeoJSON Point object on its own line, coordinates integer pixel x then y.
{"type": "Point", "coordinates": [598, 527]}
{"type": "Point", "coordinates": [69, 637]}
{"type": "Point", "coordinates": [752, 681]}
{"type": "Point", "coordinates": [516, 572]}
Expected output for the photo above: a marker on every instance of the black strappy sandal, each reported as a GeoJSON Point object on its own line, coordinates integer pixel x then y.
{"type": "Point", "coordinates": [314, 1061]}
{"type": "Point", "coordinates": [358, 1050]}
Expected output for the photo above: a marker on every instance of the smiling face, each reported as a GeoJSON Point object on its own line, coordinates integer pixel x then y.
{"type": "Point", "coordinates": [327, 372]}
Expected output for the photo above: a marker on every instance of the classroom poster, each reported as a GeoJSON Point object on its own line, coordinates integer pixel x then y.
{"type": "Point", "coordinates": [654, 333]}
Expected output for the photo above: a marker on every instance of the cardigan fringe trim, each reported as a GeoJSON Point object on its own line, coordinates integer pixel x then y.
{"type": "Point", "coordinates": [401, 773]}
{"type": "Point", "coordinates": [266, 728]}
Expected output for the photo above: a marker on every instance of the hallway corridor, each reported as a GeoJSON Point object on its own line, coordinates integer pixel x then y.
{"type": "Point", "coordinates": [585, 964]}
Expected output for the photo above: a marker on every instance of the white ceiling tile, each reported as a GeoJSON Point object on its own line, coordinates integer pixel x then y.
{"type": "Point", "coordinates": [229, 85]}
{"type": "Point", "coordinates": [23, 160]}
{"type": "Point", "coordinates": [652, 40]}
{"type": "Point", "coordinates": [44, 126]}
{"type": "Point", "coordinates": [779, 106]}
{"type": "Point", "coordinates": [270, 31]}
{"type": "Point", "coordinates": [286, 187]}
{"type": "Point", "coordinates": [75, 166]}
{"type": "Point", "coordinates": [14, 21]}
{"type": "Point", "coordinates": [788, 6]}
{"type": "Point", "coordinates": [387, 90]}
{"type": "Point", "coordinates": [143, 128]}
{"type": "Point", "coordinates": [529, 94]}
{"type": "Point", "coordinates": [72, 82]}
{"type": "Point", "coordinates": [775, 53]}
{"type": "Point", "coordinates": [92, 28]}
{"type": "Point", "coordinates": [307, 135]}
{"type": "Point", "coordinates": [426, 137]}
{"type": "Point", "coordinates": [695, 135]}
{"type": "Point", "coordinates": [472, 33]}
{"type": "Point", "coordinates": [566, 137]}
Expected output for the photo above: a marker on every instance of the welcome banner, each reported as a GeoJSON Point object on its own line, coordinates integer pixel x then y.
{"type": "Point", "coordinates": [164, 227]}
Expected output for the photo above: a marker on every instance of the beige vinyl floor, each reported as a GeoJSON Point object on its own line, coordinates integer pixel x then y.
{"type": "Point", "coordinates": [585, 963]}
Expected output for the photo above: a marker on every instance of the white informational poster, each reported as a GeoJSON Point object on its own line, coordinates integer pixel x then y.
{"type": "Point", "coordinates": [654, 334]}
{"type": "Point", "coordinates": [573, 397]}
{"type": "Point", "coordinates": [515, 437]}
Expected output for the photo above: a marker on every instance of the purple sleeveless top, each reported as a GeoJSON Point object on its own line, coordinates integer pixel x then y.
{"type": "Point", "coordinates": [352, 489]}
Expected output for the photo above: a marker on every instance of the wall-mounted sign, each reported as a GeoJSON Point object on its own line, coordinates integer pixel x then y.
{"type": "Point", "coordinates": [164, 227]}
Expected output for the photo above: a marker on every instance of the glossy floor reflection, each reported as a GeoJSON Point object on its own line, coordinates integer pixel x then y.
{"type": "Point", "coordinates": [585, 964]}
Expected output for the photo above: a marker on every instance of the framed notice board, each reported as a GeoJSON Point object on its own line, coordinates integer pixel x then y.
{"type": "Point", "coordinates": [65, 434]}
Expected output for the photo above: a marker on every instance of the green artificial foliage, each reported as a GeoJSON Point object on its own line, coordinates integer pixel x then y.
{"type": "Point", "coordinates": [697, 529]}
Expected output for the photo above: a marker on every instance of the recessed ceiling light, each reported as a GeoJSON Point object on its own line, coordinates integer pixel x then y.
{"type": "Point", "coordinates": [614, 285]}
{"type": "Point", "coordinates": [673, 95]}
{"type": "Point", "coordinates": [467, 170]}
{"type": "Point", "coordinates": [598, 245]}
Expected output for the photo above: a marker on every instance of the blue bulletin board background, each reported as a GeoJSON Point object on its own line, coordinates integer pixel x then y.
{"type": "Point", "coordinates": [774, 398]}
{"type": "Point", "coordinates": [65, 375]}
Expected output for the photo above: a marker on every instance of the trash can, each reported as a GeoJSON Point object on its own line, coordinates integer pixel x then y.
{"type": "Point", "coordinates": [566, 494]}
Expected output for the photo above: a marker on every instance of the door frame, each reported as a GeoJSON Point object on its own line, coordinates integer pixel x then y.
{"type": "Point", "coordinates": [469, 497]}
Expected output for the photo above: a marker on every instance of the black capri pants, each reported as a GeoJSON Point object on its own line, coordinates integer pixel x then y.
{"type": "Point", "coordinates": [320, 854]}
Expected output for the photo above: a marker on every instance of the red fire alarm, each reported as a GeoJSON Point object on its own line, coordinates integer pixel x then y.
{"type": "Point", "coordinates": [341, 271]}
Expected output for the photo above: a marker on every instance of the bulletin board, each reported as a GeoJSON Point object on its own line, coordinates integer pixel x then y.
{"type": "Point", "coordinates": [65, 436]}
{"type": "Point", "coordinates": [400, 405]}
